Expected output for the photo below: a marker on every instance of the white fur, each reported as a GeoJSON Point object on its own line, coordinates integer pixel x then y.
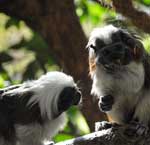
{"type": "Point", "coordinates": [126, 85]}
{"type": "Point", "coordinates": [47, 90]}
{"type": "Point", "coordinates": [104, 33]}
{"type": "Point", "coordinates": [143, 108]}
{"type": "Point", "coordinates": [36, 134]}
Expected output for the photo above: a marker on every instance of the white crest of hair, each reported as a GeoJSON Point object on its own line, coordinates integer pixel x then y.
{"type": "Point", "coordinates": [47, 90]}
{"type": "Point", "coordinates": [103, 33]}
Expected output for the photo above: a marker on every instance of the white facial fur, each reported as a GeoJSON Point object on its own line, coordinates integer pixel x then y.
{"type": "Point", "coordinates": [47, 90]}
{"type": "Point", "coordinates": [128, 82]}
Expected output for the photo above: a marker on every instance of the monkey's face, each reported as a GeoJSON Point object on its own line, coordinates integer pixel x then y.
{"type": "Point", "coordinates": [55, 92]}
{"type": "Point", "coordinates": [69, 96]}
{"type": "Point", "coordinates": [113, 48]}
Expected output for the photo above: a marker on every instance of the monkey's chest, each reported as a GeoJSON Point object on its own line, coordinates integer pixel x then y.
{"type": "Point", "coordinates": [122, 112]}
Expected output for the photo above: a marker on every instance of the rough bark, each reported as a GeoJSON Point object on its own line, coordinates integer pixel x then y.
{"type": "Point", "coordinates": [59, 25]}
{"type": "Point", "coordinates": [137, 17]}
{"type": "Point", "coordinates": [113, 136]}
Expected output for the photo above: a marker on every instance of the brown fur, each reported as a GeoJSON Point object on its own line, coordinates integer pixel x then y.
{"type": "Point", "coordinates": [92, 65]}
{"type": "Point", "coordinates": [137, 52]}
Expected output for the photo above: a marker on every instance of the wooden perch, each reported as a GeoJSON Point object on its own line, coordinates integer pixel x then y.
{"type": "Point", "coordinates": [112, 136]}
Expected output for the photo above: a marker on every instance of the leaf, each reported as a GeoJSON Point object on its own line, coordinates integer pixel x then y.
{"type": "Point", "coordinates": [1, 82]}
{"type": "Point", "coordinates": [31, 70]}
{"type": "Point", "coordinates": [76, 117]}
{"type": "Point", "coordinates": [12, 22]}
{"type": "Point", "coordinates": [37, 45]}
{"type": "Point", "coordinates": [62, 136]}
{"type": "Point", "coordinates": [146, 2]}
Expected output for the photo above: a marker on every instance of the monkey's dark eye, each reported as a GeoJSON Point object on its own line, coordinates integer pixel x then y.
{"type": "Point", "coordinates": [99, 43]}
{"type": "Point", "coordinates": [68, 97]}
{"type": "Point", "coordinates": [94, 47]}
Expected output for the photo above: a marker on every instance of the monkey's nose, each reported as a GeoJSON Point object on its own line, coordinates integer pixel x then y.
{"type": "Point", "coordinates": [105, 103]}
{"type": "Point", "coordinates": [115, 50]}
{"type": "Point", "coordinates": [108, 99]}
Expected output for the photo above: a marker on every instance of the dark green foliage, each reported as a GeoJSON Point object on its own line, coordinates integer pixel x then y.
{"type": "Point", "coordinates": [145, 2]}
{"type": "Point", "coordinates": [11, 22]}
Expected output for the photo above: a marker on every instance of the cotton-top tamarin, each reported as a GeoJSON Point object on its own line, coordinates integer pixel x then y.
{"type": "Point", "coordinates": [120, 70]}
{"type": "Point", "coordinates": [33, 112]}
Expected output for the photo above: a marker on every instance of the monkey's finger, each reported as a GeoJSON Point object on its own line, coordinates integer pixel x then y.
{"type": "Point", "coordinates": [142, 130]}
{"type": "Point", "coordinates": [102, 125]}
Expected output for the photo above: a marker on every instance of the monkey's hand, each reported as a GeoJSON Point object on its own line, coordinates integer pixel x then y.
{"type": "Point", "coordinates": [104, 125]}
{"type": "Point", "coordinates": [136, 129]}
{"type": "Point", "coordinates": [106, 102]}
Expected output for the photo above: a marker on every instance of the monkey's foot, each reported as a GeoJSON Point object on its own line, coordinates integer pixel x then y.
{"type": "Point", "coordinates": [136, 129]}
{"type": "Point", "coordinates": [104, 125]}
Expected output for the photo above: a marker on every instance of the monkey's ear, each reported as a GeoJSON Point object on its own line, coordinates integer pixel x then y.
{"type": "Point", "coordinates": [138, 50]}
{"type": "Point", "coordinates": [134, 42]}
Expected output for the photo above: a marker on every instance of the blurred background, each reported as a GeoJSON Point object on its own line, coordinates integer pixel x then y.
{"type": "Point", "coordinates": [41, 36]}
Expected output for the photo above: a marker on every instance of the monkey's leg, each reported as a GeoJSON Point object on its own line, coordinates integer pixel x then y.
{"type": "Point", "coordinates": [136, 129]}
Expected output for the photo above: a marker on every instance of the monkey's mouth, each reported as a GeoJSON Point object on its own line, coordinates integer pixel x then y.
{"type": "Point", "coordinates": [111, 66]}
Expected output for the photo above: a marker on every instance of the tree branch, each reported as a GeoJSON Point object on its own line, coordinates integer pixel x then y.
{"type": "Point", "coordinates": [139, 18]}
{"type": "Point", "coordinates": [125, 7]}
{"type": "Point", "coordinates": [104, 4]}
{"type": "Point", "coordinates": [112, 136]}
